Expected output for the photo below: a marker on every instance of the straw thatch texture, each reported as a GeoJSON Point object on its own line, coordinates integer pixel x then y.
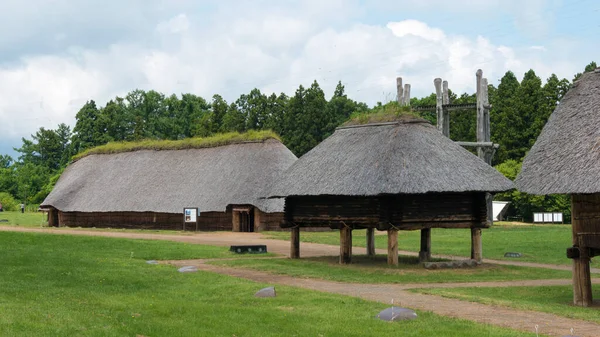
{"type": "Point", "coordinates": [566, 156]}
{"type": "Point", "coordinates": [403, 157]}
{"type": "Point", "coordinates": [167, 181]}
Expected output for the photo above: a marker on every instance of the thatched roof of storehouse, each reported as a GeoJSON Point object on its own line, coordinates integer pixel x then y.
{"type": "Point", "coordinates": [209, 173]}
{"type": "Point", "coordinates": [566, 156]}
{"type": "Point", "coordinates": [405, 156]}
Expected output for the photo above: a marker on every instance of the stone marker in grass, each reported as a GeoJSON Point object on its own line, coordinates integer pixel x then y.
{"type": "Point", "coordinates": [152, 262]}
{"type": "Point", "coordinates": [188, 269]}
{"type": "Point", "coordinates": [266, 292]}
{"type": "Point", "coordinates": [397, 314]}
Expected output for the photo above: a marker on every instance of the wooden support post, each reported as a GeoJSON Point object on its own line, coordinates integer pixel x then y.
{"type": "Point", "coordinates": [345, 245]}
{"type": "Point", "coordinates": [425, 252]}
{"type": "Point", "coordinates": [445, 112]}
{"type": "Point", "coordinates": [480, 114]}
{"type": "Point", "coordinates": [439, 103]}
{"type": "Point", "coordinates": [582, 280]}
{"type": "Point", "coordinates": [392, 247]}
{"type": "Point", "coordinates": [235, 221]}
{"type": "Point", "coordinates": [371, 241]}
{"type": "Point", "coordinates": [295, 243]}
{"type": "Point", "coordinates": [406, 94]}
{"type": "Point", "coordinates": [476, 247]}
{"type": "Point", "coordinates": [399, 91]}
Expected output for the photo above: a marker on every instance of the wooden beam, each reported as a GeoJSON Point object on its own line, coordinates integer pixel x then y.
{"type": "Point", "coordinates": [392, 247]}
{"type": "Point", "coordinates": [438, 104]}
{"type": "Point", "coordinates": [476, 246]}
{"type": "Point", "coordinates": [582, 280]}
{"type": "Point", "coordinates": [478, 144]}
{"type": "Point", "coordinates": [370, 241]}
{"type": "Point", "coordinates": [406, 94]}
{"type": "Point", "coordinates": [295, 243]}
{"type": "Point", "coordinates": [445, 111]}
{"type": "Point", "coordinates": [425, 252]}
{"type": "Point", "coordinates": [235, 221]}
{"type": "Point", "coordinates": [345, 245]}
{"type": "Point", "coordinates": [399, 90]}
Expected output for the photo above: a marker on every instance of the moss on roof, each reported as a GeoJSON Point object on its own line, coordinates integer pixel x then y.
{"type": "Point", "coordinates": [188, 143]}
{"type": "Point", "coordinates": [390, 112]}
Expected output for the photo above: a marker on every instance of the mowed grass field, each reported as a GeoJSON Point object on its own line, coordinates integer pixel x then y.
{"type": "Point", "coordinates": [365, 269]}
{"type": "Point", "coordinates": [28, 219]}
{"type": "Point", "coordinates": [537, 243]}
{"type": "Point", "coordinates": [58, 285]}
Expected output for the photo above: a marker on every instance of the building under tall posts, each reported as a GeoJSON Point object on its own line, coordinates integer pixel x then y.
{"type": "Point", "coordinates": [400, 174]}
{"type": "Point", "coordinates": [565, 159]}
{"type": "Point", "coordinates": [145, 188]}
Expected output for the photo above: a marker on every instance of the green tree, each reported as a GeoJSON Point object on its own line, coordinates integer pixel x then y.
{"type": "Point", "coordinates": [506, 121]}
{"type": "Point", "coordinates": [233, 120]}
{"type": "Point", "coordinates": [86, 133]}
{"type": "Point", "coordinates": [590, 67]}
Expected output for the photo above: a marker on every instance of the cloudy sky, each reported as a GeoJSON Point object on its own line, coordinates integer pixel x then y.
{"type": "Point", "coordinates": [56, 54]}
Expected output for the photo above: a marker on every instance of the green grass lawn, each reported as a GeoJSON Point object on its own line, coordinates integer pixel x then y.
{"type": "Point", "coordinates": [555, 299]}
{"type": "Point", "coordinates": [368, 270]}
{"type": "Point", "coordinates": [29, 219]}
{"type": "Point", "coordinates": [55, 285]}
{"type": "Point", "coordinates": [537, 243]}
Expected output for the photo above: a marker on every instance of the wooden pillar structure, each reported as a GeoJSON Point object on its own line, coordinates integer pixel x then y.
{"type": "Point", "coordinates": [582, 206]}
{"type": "Point", "coordinates": [371, 241]}
{"type": "Point", "coordinates": [295, 243]}
{"type": "Point", "coordinates": [399, 91]}
{"type": "Point", "coordinates": [345, 245]}
{"type": "Point", "coordinates": [392, 247]}
{"type": "Point", "coordinates": [485, 153]}
{"type": "Point", "coordinates": [425, 251]}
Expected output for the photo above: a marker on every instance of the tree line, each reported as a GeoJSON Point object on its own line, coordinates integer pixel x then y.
{"type": "Point", "coordinates": [303, 120]}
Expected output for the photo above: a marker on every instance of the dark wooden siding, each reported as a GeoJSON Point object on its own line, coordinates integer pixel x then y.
{"type": "Point", "coordinates": [587, 215]}
{"type": "Point", "coordinates": [208, 221]}
{"type": "Point", "coordinates": [431, 210]}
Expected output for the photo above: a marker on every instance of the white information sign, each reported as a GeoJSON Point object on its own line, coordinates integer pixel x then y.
{"type": "Point", "coordinates": [190, 214]}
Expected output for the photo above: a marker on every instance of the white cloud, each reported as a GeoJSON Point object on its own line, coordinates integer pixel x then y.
{"type": "Point", "coordinates": [274, 50]}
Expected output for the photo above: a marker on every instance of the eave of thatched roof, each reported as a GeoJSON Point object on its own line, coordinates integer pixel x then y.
{"type": "Point", "coordinates": [166, 181]}
{"type": "Point", "coordinates": [408, 156]}
{"type": "Point", "coordinates": [565, 158]}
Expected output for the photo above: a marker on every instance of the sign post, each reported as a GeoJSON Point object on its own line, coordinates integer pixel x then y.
{"type": "Point", "coordinates": [190, 215]}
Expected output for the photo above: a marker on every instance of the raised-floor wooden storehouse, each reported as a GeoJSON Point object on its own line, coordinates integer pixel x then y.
{"type": "Point", "coordinates": [144, 188]}
{"type": "Point", "coordinates": [565, 159]}
{"type": "Point", "coordinates": [398, 175]}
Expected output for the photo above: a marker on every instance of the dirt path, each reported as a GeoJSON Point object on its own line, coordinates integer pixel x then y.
{"type": "Point", "coordinates": [522, 320]}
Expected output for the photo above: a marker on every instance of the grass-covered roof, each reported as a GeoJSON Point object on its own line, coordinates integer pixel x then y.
{"type": "Point", "coordinates": [188, 143]}
{"type": "Point", "coordinates": [390, 112]}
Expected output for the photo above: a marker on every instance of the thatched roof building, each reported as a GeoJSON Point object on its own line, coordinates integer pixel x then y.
{"type": "Point", "coordinates": [145, 183]}
{"type": "Point", "coordinates": [408, 156]}
{"type": "Point", "coordinates": [565, 159]}
{"type": "Point", "coordinates": [403, 174]}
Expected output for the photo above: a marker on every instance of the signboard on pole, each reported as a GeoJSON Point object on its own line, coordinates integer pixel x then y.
{"type": "Point", "coordinates": [190, 215]}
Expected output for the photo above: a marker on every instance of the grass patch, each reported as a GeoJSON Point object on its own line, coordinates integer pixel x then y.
{"type": "Point", "coordinates": [367, 270]}
{"type": "Point", "coordinates": [28, 219]}
{"type": "Point", "coordinates": [389, 112]}
{"type": "Point", "coordinates": [187, 143]}
{"type": "Point", "coordinates": [55, 285]}
{"type": "Point", "coordinates": [537, 243]}
{"type": "Point", "coordinates": [551, 299]}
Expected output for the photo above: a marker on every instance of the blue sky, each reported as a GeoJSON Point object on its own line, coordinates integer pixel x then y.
{"type": "Point", "coordinates": [57, 54]}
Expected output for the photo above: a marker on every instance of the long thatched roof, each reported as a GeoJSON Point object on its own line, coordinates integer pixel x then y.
{"type": "Point", "coordinates": [566, 156]}
{"type": "Point", "coordinates": [408, 156]}
{"type": "Point", "coordinates": [167, 181]}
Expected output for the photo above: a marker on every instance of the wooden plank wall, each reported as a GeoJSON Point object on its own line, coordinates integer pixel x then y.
{"type": "Point", "coordinates": [431, 210]}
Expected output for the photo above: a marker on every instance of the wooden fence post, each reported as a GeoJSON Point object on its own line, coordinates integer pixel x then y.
{"type": "Point", "coordinates": [295, 243]}
{"type": "Point", "coordinates": [392, 247]}
{"type": "Point", "coordinates": [371, 241]}
{"type": "Point", "coordinates": [425, 252]}
{"type": "Point", "coordinates": [345, 245]}
{"type": "Point", "coordinates": [582, 280]}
